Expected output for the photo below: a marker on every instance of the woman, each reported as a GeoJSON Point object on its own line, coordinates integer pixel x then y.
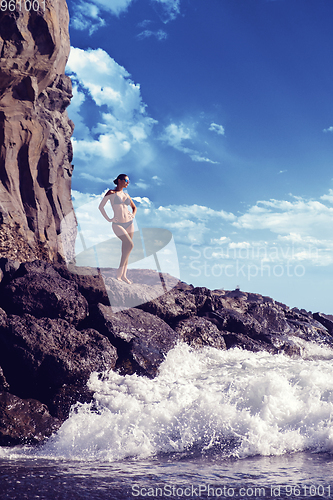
{"type": "Point", "coordinates": [122, 222]}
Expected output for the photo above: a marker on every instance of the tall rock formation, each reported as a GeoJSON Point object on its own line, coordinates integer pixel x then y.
{"type": "Point", "coordinates": [36, 213]}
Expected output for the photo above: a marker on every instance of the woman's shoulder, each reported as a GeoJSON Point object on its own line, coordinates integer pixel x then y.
{"type": "Point", "coordinates": [111, 191]}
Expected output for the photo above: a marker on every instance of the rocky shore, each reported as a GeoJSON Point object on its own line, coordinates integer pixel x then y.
{"type": "Point", "coordinates": [57, 326]}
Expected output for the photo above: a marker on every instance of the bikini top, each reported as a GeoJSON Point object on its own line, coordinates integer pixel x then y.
{"type": "Point", "coordinates": [118, 201]}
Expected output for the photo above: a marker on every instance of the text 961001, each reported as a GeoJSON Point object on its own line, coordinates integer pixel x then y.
{"type": "Point", "coordinates": [22, 5]}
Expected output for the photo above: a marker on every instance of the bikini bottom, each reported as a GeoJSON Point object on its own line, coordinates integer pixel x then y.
{"type": "Point", "coordinates": [125, 225]}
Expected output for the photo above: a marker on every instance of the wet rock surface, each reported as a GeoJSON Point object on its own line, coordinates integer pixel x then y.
{"type": "Point", "coordinates": [199, 332]}
{"type": "Point", "coordinates": [58, 324]}
{"type": "Point", "coordinates": [45, 295]}
{"type": "Point", "coordinates": [39, 356]}
{"type": "Point", "coordinates": [24, 421]}
{"type": "Point", "coordinates": [142, 339]}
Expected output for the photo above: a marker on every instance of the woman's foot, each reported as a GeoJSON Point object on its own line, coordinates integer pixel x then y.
{"type": "Point", "coordinates": [126, 280]}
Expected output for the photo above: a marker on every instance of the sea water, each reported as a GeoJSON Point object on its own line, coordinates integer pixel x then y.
{"type": "Point", "coordinates": [212, 424]}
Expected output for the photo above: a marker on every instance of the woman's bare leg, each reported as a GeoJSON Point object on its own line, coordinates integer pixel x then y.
{"type": "Point", "coordinates": [130, 231]}
{"type": "Point", "coordinates": [126, 237]}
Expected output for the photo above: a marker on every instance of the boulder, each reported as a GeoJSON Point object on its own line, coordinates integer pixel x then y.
{"type": "Point", "coordinates": [123, 296]}
{"type": "Point", "coordinates": [8, 267]}
{"type": "Point", "coordinates": [199, 332]}
{"type": "Point", "coordinates": [233, 321]}
{"type": "Point", "coordinates": [326, 320]}
{"type": "Point", "coordinates": [172, 306]}
{"type": "Point", "coordinates": [34, 267]}
{"type": "Point", "coordinates": [24, 421]}
{"type": "Point", "coordinates": [89, 281]}
{"type": "Point", "coordinates": [61, 403]}
{"type": "Point", "coordinates": [45, 295]}
{"type": "Point", "coordinates": [39, 356]}
{"type": "Point", "coordinates": [142, 340]}
{"type": "Point", "coordinates": [254, 322]}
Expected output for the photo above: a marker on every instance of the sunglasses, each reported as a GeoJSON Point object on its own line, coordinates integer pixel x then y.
{"type": "Point", "coordinates": [126, 180]}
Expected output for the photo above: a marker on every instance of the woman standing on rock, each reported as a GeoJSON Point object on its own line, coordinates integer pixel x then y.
{"type": "Point", "coordinates": [122, 222]}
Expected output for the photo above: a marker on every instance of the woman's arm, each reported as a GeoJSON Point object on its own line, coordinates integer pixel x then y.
{"type": "Point", "coordinates": [133, 207]}
{"type": "Point", "coordinates": [102, 205]}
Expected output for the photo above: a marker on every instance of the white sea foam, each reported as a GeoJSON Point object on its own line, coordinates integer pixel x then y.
{"type": "Point", "coordinates": [232, 402]}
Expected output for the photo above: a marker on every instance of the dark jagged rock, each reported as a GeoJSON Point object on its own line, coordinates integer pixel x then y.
{"type": "Point", "coordinates": [254, 322]}
{"type": "Point", "coordinates": [326, 320]}
{"type": "Point", "coordinates": [122, 297]}
{"type": "Point", "coordinates": [3, 318]}
{"type": "Point", "coordinates": [199, 332]}
{"type": "Point", "coordinates": [45, 294]}
{"type": "Point", "coordinates": [24, 421]}
{"type": "Point", "coordinates": [142, 340]}
{"type": "Point", "coordinates": [172, 306]}
{"type": "Point", "coordinates": [8, 268]}
{"type": "Point", "coordinates": [66, 397]}
{"type": "Point", "coordinates": [39, 356]}
{"type": "Point", "coordinates": [89, 281]}
{"type": "Point", "coordinates": [36, 213]}
{"type": "Point", "coordinates": [4, 386]}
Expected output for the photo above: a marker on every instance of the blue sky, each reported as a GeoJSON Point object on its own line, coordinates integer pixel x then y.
{"type": "Point", "coordinates": [221, 113]}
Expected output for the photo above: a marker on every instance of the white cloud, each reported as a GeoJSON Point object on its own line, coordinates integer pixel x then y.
{"type": "Point", "coordinates": [94, 178]}
{"type": "Point", "coordinates": [159, 34]}
{"type": "Point", "coordinates": [80, 199]}
{"type": "Point", "coordinates": [108, 83]}
{"type": "Point", "coordinates": [123, 124]}
{"type": "Point", "coordinates": [240, 244]}
{"type": "Point", "coordinates": [214, 127]}
{"type": "Point", "coordinates": [328, 197]}
{"type": "Point", "coordinates": [75, 112]}
{"type": "Point", "coordinates": [141, 184]}
{"type": "Point", "coordinates": [285, 217]}
{"type": "Point", "coordinates": [168, 10]}
{"type": "Point", "coordinates": [89, 15]}
{"type": "Point", "coordinates": [220, 241]}
{"type": "Point", "coordinates": [157, 180]}
{"type": "Point", "coordinates": [289, 241]}
{"type": "Point", "coordinates": [116, 7]}
{"type": "Point", "coordinates": [108, 146]}
{"type": "Point", "coordinates": [329, 129]}
{"type": "Point", "coordinates": [197, 157]}
{"type": "Point", "coordinates": [142, 200]}
{"type": "Point", "coordinates": [188, 223]}
{"type": "Point", "coordinates": [174, 135]}
{"type": "Point", "coordinates": [145, 23]}
{"type": "Point", "coordinates": [86, 17]}
{"type": "Point", "coordinates": [196, 211]}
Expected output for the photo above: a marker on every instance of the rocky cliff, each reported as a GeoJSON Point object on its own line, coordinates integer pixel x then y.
{"type": "Point", "coordinates": [57, 326]}
{"type": "Point", "coordinates": [36, 214]}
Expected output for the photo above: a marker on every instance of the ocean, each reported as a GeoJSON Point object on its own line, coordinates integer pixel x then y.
{"type": "Point", "coordinates": [212, 424]}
